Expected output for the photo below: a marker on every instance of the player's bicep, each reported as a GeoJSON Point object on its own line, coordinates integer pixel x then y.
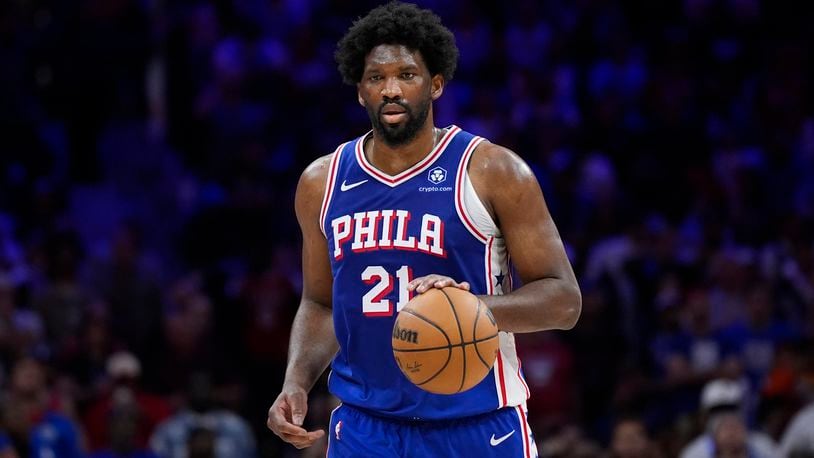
{"type": "Point", "coordinates": [520, 210]}
{"type": "Point", "coordinates": [531, 236]}
{"type": "Point", "coordinates": [316, 268]}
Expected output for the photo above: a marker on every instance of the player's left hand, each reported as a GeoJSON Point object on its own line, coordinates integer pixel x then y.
{"type": "Point", "coordinates": [423, 284]}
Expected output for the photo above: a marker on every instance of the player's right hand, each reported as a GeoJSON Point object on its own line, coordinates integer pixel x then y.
{"type": "Point", "coordinates": [428, 282]}
{"type": "Point", "coordinates": [286, 416]}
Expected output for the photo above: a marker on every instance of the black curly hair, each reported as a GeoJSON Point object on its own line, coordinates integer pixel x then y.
{"type": "Point", "coordinates": [397, 23]}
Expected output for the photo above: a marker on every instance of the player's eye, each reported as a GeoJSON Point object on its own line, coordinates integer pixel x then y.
{"type": "Point", "coordinates": [374, 78]}
{"type": "Point", "coordinates": [407, 75]}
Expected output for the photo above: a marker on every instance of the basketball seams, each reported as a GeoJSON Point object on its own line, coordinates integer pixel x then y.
{"type": "Point", "coordinates": [474, 338]}
{"type": "Point", "coordinates": [439, 371]}
{"type": "Point", "coordinates": [423, 318]}
{"type": "Point", "coordinates": [461, 333]}
{"type": "Point", "coordinates": [454, 314]}
{"type": "Point", "coordinates": [448, 346]}
{"type": "Point", "coordinates": [475, 324]}
{"type": "Point", "coordinates": [462, 344]}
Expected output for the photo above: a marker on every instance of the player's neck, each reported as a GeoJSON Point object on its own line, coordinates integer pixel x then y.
{"type": "Point", "coordinates": [393, 160]}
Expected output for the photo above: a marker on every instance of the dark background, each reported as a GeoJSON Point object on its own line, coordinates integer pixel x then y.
{"type": "Point", "coordinates": [149, 152]}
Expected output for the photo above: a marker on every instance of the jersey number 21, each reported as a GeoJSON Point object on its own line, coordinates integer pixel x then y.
{"type": "Point", "coordinates": [375, 302]}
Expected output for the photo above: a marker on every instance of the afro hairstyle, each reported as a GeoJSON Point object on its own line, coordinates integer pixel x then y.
{"type": "Point", "coordinates": [397, 23]}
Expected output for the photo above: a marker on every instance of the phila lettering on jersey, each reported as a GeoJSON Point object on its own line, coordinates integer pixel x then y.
{"type": "Point", "coordinates": [384, 230]}
{"type": "Point", "coordinates": [387, 230]}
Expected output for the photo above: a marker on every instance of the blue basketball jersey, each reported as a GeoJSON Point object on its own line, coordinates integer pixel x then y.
{"type": "Point", "coordinates": [383, 231]}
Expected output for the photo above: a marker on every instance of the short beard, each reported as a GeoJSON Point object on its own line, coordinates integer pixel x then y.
{"type": "Point", "coordinates": [402, 133]}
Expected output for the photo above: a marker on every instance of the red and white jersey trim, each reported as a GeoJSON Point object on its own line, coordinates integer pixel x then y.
{"type": "Point", "coordinates": [420, 166]}
{"type": "Point", "coordinates": [529, 446]}
{"type": "Point", "coordinates": [471, 211]}
{"type": "Point", "coordinates": [330, 184]}
{"type": "Point", "coordinates": [509, 383]}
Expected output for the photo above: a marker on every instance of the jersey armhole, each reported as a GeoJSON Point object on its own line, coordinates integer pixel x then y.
{"type": "Point", "coordinates": [468, 204]}
{"type": "Point", "coordinates": [330, 184]}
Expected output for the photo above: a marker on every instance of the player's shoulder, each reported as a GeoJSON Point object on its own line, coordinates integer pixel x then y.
{"type": "Point", "coordinates": [311, 186]}
{"type": "Point", "coordinates": [318, 169]}
{"type": "Point", "coordinates": [316, 173]}
{"type": "Point", "coordinates": [496, 162]}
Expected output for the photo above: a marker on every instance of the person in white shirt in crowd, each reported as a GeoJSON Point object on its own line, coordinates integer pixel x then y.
{"type": "Point", "coordinates": [727, 434]}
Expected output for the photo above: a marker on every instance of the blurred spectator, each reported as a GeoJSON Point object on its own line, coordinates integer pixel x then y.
{"type": "Point", "coordinates": [732, 271]}
{"type": "Point", "coordinates": [136, 411]}
{"type": "Point", "coordinates": [12, 256]}
{"type": "Point", "coordinates": [6, 447]}
{"type": "Point", "coordinates": [87, 366]}
{"type": "Point", "coordinates": [189, 341]}
{"type": "Point", "coordinates": [63, 301]}
{"type": "Point", "coordinates": [630, 439]}
{"type": "Point", "coordinates": [129, 286]}
{"type": "Point", "coordinates": [783, 393]}
{"type": "Point", "coordinates": [690, 350]}
{"type": "Point", "coordinates": [799, 436]}
{"type": "Point", "coordinates": [123, 430]}
{"type": "Point", "coordinates": [798, 439]}
{"type": "Point", "coordinates": [35, 427]}
{"type": "Point", "coordinates": [201, 427]}
{"type": "Point", "coordinates": [21, 330]}
{"type": "Point", "coordinates": [686, 353]}
{"type": "Point", "coordinates": [548, 367]}
{"type": "Point", "coordinates": [723, 404]}
{"type": "Point", "coordinates": [730, 439]}
{"type": "Point", "coordinates": [756, 339]}
{"type": "Point", "coordinates": [268, 299]}
{"type": "Point", "coordinates": [569, 441]}
{"type": "Point", "coordinates": [201, 443]}
{"type": "Point", "coordinates": [598, 355]}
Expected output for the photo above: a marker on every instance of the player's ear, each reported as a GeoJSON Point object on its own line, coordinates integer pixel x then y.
{"type": "Point", "coordinates": [359, 94]}
{"type": "Point", "coordinates": [437, 86]}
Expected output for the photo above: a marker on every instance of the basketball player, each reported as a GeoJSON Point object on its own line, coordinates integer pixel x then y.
{"type": "Point", "coordinates": [407, 207]}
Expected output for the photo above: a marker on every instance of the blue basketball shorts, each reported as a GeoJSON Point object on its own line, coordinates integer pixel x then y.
{"type": "Point", "coordinates": [502, 433]}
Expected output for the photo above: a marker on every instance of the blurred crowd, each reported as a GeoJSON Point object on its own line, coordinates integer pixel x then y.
{"type": "Point", "coordinates": [149, 259]}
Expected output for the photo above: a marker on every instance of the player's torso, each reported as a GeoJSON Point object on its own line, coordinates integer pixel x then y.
{"type": "Point", "coordinates": [382, 232]}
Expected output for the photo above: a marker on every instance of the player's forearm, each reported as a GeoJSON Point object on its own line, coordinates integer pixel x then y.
{"type": "Point", "coordinates": [548, 303]}
{"type": "Point", "coordinates": [312, 345]}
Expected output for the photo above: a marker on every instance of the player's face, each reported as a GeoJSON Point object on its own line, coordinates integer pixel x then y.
{"type": "Point", "coordinates": [397, 91]}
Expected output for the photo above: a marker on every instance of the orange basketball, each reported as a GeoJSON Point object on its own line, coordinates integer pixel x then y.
{"type": "Point", "coordinates": [445, 340]}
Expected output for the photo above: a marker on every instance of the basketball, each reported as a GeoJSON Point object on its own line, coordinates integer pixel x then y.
{"type": "Point", "coordinates": [445, 341]}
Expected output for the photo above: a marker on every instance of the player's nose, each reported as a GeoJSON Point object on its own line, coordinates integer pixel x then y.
{"type": "Point", "coordinates": [391, 88]}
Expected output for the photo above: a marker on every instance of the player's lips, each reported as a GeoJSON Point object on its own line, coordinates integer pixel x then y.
{"type": "Point", "coordinates": [393, 118]}
{"type": "Point", "coordinates": [392, 108]}
{"type": "Point", "coordinates": [392, 113]}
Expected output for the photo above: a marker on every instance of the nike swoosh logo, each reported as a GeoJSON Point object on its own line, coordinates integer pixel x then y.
{"type": "Point", "coordinates": [345, 187]}
{"type": "Point", "coordinates": [493, 442]}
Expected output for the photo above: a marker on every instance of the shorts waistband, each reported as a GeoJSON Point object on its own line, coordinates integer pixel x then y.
{"type": "Point", "coordinates": [428, 421]}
